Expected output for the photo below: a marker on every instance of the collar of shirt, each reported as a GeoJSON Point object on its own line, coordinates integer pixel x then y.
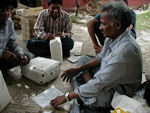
{"type": "Point", "coordinates": [7, 22]}
{"type": "Point", "coordinates": [114, 44]}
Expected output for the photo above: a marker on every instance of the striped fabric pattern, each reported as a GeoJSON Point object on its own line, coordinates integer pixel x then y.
{"type": "Point", "coordinates": [45, 23]}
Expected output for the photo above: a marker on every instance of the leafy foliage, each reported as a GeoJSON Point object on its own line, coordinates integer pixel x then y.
{"type": "Point", "coordinates": [143, 21]}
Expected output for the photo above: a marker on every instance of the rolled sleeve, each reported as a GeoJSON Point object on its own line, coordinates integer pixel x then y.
{"type": "Point", "coordinates": [98, 57]}
{"type": "Point", "coordinates": [133, 30]}
{"type": "Point", "coordinates": [68, 28]}
{"type": "Point", "coordinates": [39, 25]}
{"type": "Point", "coordinates": [87, 101]}
{"type": "Point", "coordinates": [133, 14]}
{"type": "Point", "coordinates": [97, 17]}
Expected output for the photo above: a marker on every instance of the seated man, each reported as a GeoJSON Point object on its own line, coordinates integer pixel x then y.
{"type": "Point", "coordinates": [10, 54]}
{"type": "Point", "coordinates": [52, 22]}
{"type": "Point", "coordinates": [118, 67]}
{"type": "Point", "coordinates": [93, 29]}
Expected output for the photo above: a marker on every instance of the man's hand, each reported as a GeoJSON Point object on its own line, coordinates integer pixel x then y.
{"type": "Point", "coordinates": [59, 34]}
{"type": "Point", "coordinates": [23, 59]}
{"type": "Point", "coordinates": [69, 74]}
{"type": "Point", "coordinates": [48, 36]}
{"type": "Point", "coordinates": [51, 36]}
{"type": "Point", "coordinates": [98, 49]}
{"type": "Point", "coordinates": [9, 56]}
{"type": "Point", "coordinates": [58, 101]}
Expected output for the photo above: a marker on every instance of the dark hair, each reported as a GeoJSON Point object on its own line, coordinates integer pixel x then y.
{"type": "Point", "coordinates": [4, 4]}
{"type": "Point", "coordinates": [118, 11]}
{"type": "Point", "coordinates": [13, 3]}
{"type": "Point", "coordinates": [126, 1]}
{"type": "Point", "coordinates": [55, 1]}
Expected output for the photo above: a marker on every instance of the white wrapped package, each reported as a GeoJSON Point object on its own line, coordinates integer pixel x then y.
{"type": "Point", "coordinates": [56, 49]}
{"type": "Point", "coordinates": [125, 104]}
{"type": "Point", "coordinates": [4, 94]}
{"type": "Point", "coordinates": [15, 72]}
{"type": "Point", "coordinates": [41, 70]}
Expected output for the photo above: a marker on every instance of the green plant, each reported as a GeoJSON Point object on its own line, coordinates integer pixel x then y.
{"type": "Point", "coordinates": [74, 19]}
{"type": "Point", "coordinates": [143, 20]}
{"type": "Point", "coordinates": [80, 19]}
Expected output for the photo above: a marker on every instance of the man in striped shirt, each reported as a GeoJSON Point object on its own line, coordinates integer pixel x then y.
{"type": "Point", "coordinates": [52, 22]}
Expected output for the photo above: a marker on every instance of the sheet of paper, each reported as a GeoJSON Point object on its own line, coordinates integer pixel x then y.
{"type": "Point", "coordinates": [143, 78]}
{"type": "Point", "coordinates": [77, 48]}
{"type": "Point", "coordinates": [45, 97]}
{"type": "Point", "coordinates": [73, 58]}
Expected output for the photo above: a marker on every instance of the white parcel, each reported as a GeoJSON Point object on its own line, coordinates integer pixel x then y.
{"type": "Point", "coordinates": [41, 70]}
{"type": "Point", "coordinates": [15, 72]}
{"type": "Point", "coordinates": [4, 94]}
{"type": "Point", "coordinates": [126, 104]}
{"type": "Point", "coordinates": [56, 49]}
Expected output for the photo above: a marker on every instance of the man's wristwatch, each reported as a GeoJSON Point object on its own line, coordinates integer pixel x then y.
{"type": "Point", "coordinates": [67, 96]}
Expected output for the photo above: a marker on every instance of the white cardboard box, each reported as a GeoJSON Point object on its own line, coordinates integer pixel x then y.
{"type": "Point", "coordinates": [77, 48]}
{"type": "Point", "coordinates": [41, 70]}
{"type": "Point", "coordinates": [56, 49]}
{"type": "Point", "coordinates": [5, 97]}
{"type": "Point", "coordinates": [15, 72]}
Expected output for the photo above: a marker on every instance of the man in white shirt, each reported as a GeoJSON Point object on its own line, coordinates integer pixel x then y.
{"type": "Point", "coordinates": [118, 67]}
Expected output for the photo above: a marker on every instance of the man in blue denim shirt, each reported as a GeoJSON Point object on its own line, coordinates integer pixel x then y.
{"type": "Point", "coordinates": [118, 67]}
{"type": "Point", "coordinates": [94, 31]}
{"type": "Point", "coordinates": [10, 54]}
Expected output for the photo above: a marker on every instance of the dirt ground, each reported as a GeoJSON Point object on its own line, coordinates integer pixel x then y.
{"type": "Point", "coordinates": [144, 42]}
{"type": "Point", "coordinates": [22, 91]}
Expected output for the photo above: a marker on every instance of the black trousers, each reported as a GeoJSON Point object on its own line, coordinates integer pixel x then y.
{"type": "Point", "coordinates": [7, 64]}
{"type": "Point", "coordinates": [41, 47]}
